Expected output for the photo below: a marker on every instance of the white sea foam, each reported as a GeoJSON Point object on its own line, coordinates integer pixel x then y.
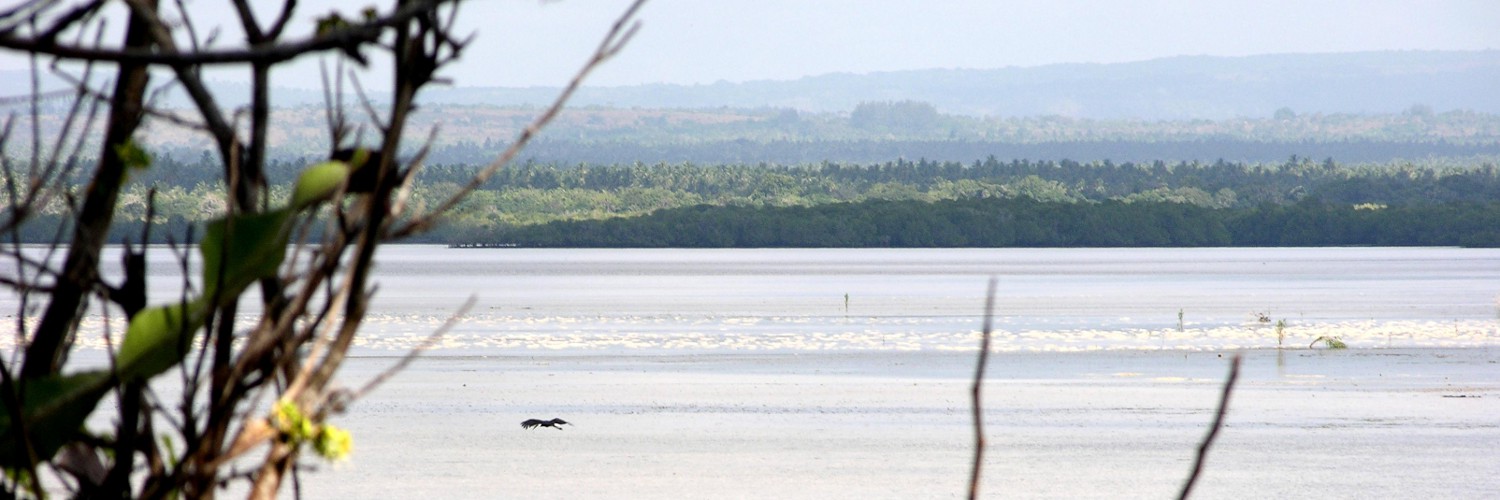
{"type": "Point", "coordinates": [893, 300]}
{"type": "Point", "coordinates": [401, 332]}
{"type": "Point", "coordinates": [840, 334]}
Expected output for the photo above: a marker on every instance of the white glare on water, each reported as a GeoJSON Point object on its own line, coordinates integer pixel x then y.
{"type": "Point", "coordinates": [926, 299]}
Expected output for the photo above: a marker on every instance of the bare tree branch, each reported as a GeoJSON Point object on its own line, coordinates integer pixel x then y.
{"type": "Point", "coordinates": [620, 34]}
{"type": "Point", "coordinates": [412, 355]}
{"type": "Point", "coordinates": [75, 16]}
{"type": "Point", "coordinates": [48, 349]}
{"type": "Point", "coordinates": [1213, 430]}
{"type": "Point", "coordinates": [279, 24]}
{"type": "Point", "coordinates": [977, 389]}
{"type": "Point", "coordinates": [22, 13]}
{"type": "Point", "coordinates": [340, 39]}
{"type": "Point", "coordinates": [301, 339]}
{"type": "Point", "coordinates": [241, 194]}
{"type": "Point", "coordinates": [248, 23]}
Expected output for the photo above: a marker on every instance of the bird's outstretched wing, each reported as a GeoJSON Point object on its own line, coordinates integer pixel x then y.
{"type": "Point", "coordinates": [530, 423]}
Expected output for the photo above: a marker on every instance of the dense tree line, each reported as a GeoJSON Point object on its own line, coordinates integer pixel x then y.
{"type": "Point", "coordinates": [879, 131]}
{"type": "Point", "coordinates": [536, 193]}
{"type": "Point", "coordinates": [795, 151]}
{"type": "Point", "coordinates": [1020, 222]}
{"type": "Point", "coordinates": [1098, 179]}
{"type": "Point", "coordinates": [1235, 183]}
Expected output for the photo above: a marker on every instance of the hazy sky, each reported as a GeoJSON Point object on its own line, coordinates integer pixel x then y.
{"type": "Point", "coordinates": [529, 42]}
{"type": "Point", "coordinates": [702, 41]}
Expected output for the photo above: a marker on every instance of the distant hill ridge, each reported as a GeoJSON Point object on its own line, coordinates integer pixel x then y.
{"type": "Point", "coordinates": [1185, 87]}
{"type": "Point", "coordinates": [1173, 88]}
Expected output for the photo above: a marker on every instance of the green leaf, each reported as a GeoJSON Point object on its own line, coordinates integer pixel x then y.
{"type": "Point", "coordinates": [242, 248]}
{"type": "Point", "coordinates": [330, 23]}
{"type": "Point", "coordinates": [318, 182]}
{"type": "Point", "coordinates": [158, 338]}
{"type": "Point", "coordinates": [132, 155]}
{"type": "Point", "coordinates": [1330, 342]}
{"type": "Point", "coordinates": [54, 410]}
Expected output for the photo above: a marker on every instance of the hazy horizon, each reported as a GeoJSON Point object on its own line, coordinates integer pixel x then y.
{"type": "Point", "coordinates": [526, 43]}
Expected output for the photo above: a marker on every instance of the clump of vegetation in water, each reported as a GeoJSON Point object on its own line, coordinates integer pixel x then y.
{"type": "Point", "coordinates": [1281, 332]}
{"type": "Point", "coordinates": [1329, 341]}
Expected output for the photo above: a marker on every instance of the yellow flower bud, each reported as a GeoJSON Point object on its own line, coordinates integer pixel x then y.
{"type": "Point", "coordinates": [333, 443]}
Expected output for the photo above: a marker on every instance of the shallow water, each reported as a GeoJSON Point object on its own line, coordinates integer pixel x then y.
{"type": "Point", "coordinates": [1387, 423]}
{"type": "Point", "coordinates": [740, 373]}
{"type": "Point", "coordinates": [910, 299]}
{"type": "Point", "coordinates": [1047, 299]}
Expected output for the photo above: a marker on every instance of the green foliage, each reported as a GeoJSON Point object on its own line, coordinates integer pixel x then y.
{"type": "Point", "coordinates": [132, 155]}
{"type": "Point", "coordinates": [989, 222]}
{"type": "Point", "coordinates": [330, 23]}
{"type": "Point", "coordinates": [1016, 222]}
{"type": "Point", "coordinates": [319, 182]}
{"type": "Point", "coordinates": [1330, 342]}
{"type": "Point", "coordinates": [332, 443]}
{"type": "Point", "coordinates": [237, 250]}
{"type": "Point", "coordinates": [54, 410]}
{"type": "Point", "coordinates": [158, 338]}
{"type": "Point", "coordinates": [242, 248]}
{"type": "Point", "coordinates": [1296, 202]}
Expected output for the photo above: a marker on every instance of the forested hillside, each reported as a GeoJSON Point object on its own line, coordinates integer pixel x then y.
{"type": "Point", "coordinates": [993, 203]}
{"type": "Point", "coordinates": [882, 131]}
{"type": "Point", "coordinates": [873, 132]}
{"type": "Point", "coordinates": [1024, 222]}
{"type": "Point", "coordinates": [1299, 201]}
{"type": "Point", "coordinates": [1418, 177]}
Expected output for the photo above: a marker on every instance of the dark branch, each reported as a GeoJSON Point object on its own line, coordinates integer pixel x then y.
{"type": "Point", "coordinates": [426, 344]}
{"type": "Point", "coordinates": [355, 34]}
{"type": "Point", "coordinates": [73, 17]}
{"type": "Point", "coordinates": [620, 34]}
{"type": "Point", "coordinates": [978, 407]}
{"type": "Point", "coordinates": [280, 23]}
{"type": "Point", "coordinates": [49, 348]}
{"type": "Point", "coordinates": [247, 22]}
{"type": "Point", "coordinates": [1213, 431]}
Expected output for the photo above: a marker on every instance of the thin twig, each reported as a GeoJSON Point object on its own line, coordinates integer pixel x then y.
{"type": "Point", "coordinates": [36, 110]}
{"type": "Point", "coordinates": [620, 34]}
{"type": "Point", "coordinates": [49, 347]}
{"type": "Point", "coordinates": [333, 104]}
{"type": "Point", "coordinates": [280, 23]}
{"type": "Point", "coordinates": [189, 76]}
{"type": "Point", "coordinates": [74, 108]}
{"type": "Point", "coordinates": [1213, 431]}
{"type": "Point", "coordinates": [366, 103]}
{"type": "Point", "coordinates": [356, 34]}
{"type": "Point", "coordinates": [26, 99]}
{"type": "Point", "coordinates": [412, 355]}
{"type": "Point", "coordinates": [978, 407]}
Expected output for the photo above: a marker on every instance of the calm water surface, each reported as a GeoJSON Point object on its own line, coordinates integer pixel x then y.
{"type": "Point", "coordinates": [926, 298]}
{"type": "Point", "coordinates": [1051, 286]}
{"type": "Point", "coordinates": [1096, 296]}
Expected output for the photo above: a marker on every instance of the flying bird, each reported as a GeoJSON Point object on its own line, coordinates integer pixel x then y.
{"type": "Point", "coordinates": [533, 423]}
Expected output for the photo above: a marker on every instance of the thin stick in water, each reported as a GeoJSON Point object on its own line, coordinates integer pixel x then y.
{"type": "Point", "coordinates": [984, 357]}
{"type": "Point", "coordinates": [1213, 431]}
